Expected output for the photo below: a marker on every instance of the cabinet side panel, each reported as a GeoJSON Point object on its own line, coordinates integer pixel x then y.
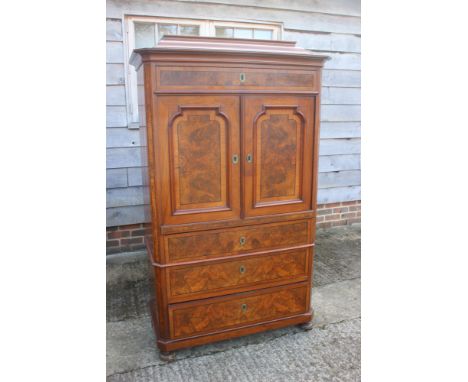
{"type": "Point", "coordinates": [146, 102]}
{"type": "Point", "coordinates": [144, 145]}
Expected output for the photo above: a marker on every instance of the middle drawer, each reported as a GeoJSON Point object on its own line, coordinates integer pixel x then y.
{"type": "Point", "coordinates": [219, 243]}
{"type": "Point", "coordinates": [237, 274]}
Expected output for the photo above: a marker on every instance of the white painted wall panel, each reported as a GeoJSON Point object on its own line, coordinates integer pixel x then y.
{"type": "Point", "coordinates": [116, 178]}
{"type": "Point", "coordinates": [115, 95]}
{"type": "Point", "coordinates": [121, 197]}
{"type": "Point", "coordinates": [307, 21]}
{"type": "Point", "coordinates": [328, 163]}
{"type": "Point", "coordinates": [340, 130]}
{"type": "Point", "coordinates": [340, 113]}
{"type": "Point", "coordinates": [114, 52]}
{"type": "Point", "coordinates": [339, 179]}
{"type": "Point", "coordinates": [114, 30]}
{"type": "Point", "coordinates": [115, 74]}
{"type": "Point", "coordinates": [135, 176]}
{"type": "Point", "coordinates": [340, 146]}
{"type": "Point", "coordinates": [346, 61]}
{"type": "Point", "coordinates": [338, 194]}
{"type": "Point", "coordinates": [341, 96]}
{"type": "Point", "coordinates": [122, 137]}
{"type": "Point", "coordinates": [327, 42]}
{"type": "Point", "coordinates": [125, 215]}
{"type": "Point", "coordinates": [124, 157]}
{"type": "Point", "coordinates": [341, 78]}
{"type": "Point", "coordinates": [116, 116]}
{"type": "Point", "coordinates": [340, 7]}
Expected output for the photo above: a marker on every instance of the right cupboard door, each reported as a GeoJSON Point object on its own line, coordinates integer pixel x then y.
{"type": "Point", "coordinates": [278, 143]}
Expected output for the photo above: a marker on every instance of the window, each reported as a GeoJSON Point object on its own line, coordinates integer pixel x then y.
{"type": "Point", "coordinates": [145, 32]}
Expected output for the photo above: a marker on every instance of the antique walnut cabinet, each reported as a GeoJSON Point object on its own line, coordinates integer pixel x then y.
{"type": "Point", "coordinates": [230, 130]}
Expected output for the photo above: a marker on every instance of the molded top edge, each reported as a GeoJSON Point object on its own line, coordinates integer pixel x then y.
{"type": "Point", "coordinates": [206, 45]}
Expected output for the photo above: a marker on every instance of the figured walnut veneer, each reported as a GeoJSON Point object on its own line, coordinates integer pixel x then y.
{"type": "Point", "coordinates": [237, 310]}
{"type": "Point", "coordinates": [225, 242]}
{"type": "Point", "coordinates": [231, 140]}
{"type": "Point", "coordinates": [194, 279]}
{"type": "Point", "coordinates": [178, 78]}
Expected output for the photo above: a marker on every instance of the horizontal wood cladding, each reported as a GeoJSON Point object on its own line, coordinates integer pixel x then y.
{"type": "Point", "coordinates": [209, 315]}
{"type": "Point", "coordinates": [229, 10]}
{"type": "Point", "coordinates": [338, 163]}
{"type": "Point", "coordinates": [333, 7]}
{"type": "Point", "coordinates": [229, 275]}
{"type": "Point", "coordinates": [339, 194]}
{"type": "Point", "coordinates": [340, 146]}
{"type": "Point", "coordinates": [340, 113]}
{"type": "Point", "coordinates": [341, 78]}
{"type": "Point", "coordinates": [115, 95]}
{"type": "Point", "coordinates": [340, 179]}
{"type": "Point", "coordinates": [216, 243]}
{"type": "Point", "coordinates": [325, 42]}
{"type": "Point", "coordinates": [115, 74]}
{"type": "Point", "coordinates": [211, 78]}
{"type": "Point", "coordinates": [114, 52]}
{"type": "Point", "coordinates": [127, 214]}
{"type": "Point", "coordinates": [114, 30]}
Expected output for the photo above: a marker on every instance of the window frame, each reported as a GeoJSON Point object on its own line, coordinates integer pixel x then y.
{"type": "Point", "coordinates": [207, 28]}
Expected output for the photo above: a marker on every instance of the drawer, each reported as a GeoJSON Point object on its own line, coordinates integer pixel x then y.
{"type": "Point", "coordinates": [213, 78]}
{"type": "Point", "coordinates": [206, 244]}
{"type": "Point", "coordinates": [207, 280]}
{"type": "Point", "coordinates": [220, 313]}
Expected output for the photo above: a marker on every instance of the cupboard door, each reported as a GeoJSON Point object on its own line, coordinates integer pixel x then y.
{"type": "Point", "coordinates": [198, 141]}
{"type": "Point", "coordinates": [278, 139]}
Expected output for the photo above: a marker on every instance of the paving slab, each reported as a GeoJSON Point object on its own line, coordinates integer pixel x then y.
{"type": "Point", "coordinates": [131, 344]}
{"type": "Point", "coordinates": [330, 353]}
{"type": "Point", "coordinates": [337, 254]}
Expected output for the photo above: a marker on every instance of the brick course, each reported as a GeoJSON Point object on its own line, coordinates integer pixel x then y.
{"type": "Point", "coordinates": [126, 238]}
{"type": "Point", "coordinates": [334, 214]}
{"type": "Point", "coordinates": [131, 237]}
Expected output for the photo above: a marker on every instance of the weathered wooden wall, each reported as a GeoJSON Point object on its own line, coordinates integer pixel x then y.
{"type": "Point", "coordinates": [330, 26]}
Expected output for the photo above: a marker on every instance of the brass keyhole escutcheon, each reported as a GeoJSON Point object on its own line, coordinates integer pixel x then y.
{"type": "Point", "coordinates": [242, 240]}
{"type": "Point", "coordinates": [242, 77]}
{"type": "Point", "coordinates": [244, 307]}
{"type": "Point", "coordinates": [235, 159]}
{"type": "Point", "coordinates": [242, 269]}
{"type": "Point", "coordinates": [249, 158]}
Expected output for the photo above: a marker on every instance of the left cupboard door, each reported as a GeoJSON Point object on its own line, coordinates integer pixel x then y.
{"type": "Point", "coordinates": [197, 141]}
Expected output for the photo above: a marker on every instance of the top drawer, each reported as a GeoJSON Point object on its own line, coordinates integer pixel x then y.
{"type": "Point", "coordinates": [219, 243]}
{"type": "Point", "coordinates": [211, 78]}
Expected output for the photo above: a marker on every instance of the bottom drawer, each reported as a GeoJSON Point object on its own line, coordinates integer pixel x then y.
{"type": "Point", "coordinates": [219, 313]}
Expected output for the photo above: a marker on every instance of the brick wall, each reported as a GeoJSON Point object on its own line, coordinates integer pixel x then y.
{"type": "Point", "coordinates": [126, 238]}
{"type": "Point", "coordinates": [130, 237]}
{"type": "Point", "coordinates": [341, 213]}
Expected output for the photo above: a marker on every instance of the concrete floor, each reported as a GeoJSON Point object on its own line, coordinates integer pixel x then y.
{"type": "Point", "coordinates": [329, 352]}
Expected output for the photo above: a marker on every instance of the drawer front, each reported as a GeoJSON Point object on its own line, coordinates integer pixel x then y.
{"type": "Point", "coordinates": [211, 78]}
{"type": "Point", "coordinates": [214, 243]}
{"type": "Point", "coordinates": [237, 310]}
{"type": "Point", "coordinates": [210, 279]}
